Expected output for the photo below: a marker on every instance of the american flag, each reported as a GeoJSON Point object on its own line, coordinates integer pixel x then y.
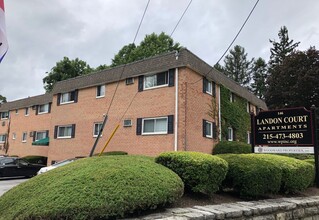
{"type": "Point", "coordinates": [3, 37]}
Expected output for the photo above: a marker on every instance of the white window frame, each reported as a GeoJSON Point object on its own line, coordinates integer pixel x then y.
{"type": "Point", "coordinates": [99, 88]}
{"type": "Point", "coordinates": [43, 112]}
{"type": "Point", "coordinates": [26, 111]}
{"type": "Point", "coordinates": [69, 100]}
{"type": "Point", "coordinates": [64, 137]}
{"type": "Point", "coordinates": [155, 132]}
{"type": "Point", "coordinates": [24, 137]}
{"type": "Point", "coordinates": [36, 135]}
{"type": "Point", "coordinates": [3, 139]}
{"type": "Point", "coordinates": [211, 129]}
{"type": "Point", "coordinates": [96, 123]}
{"type": "Point", "coordinates": [14, 136]}
{"type": "Point", "coordinates": [4, 118]}
{"type": "Point", "coordinates": [230, 130]}
{"type": "Point", "coordinates": [157, 86]}
{"type": "Point", "coordinates": [209, 87]}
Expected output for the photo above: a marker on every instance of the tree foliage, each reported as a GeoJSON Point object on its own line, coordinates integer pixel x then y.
{"type": "Point", "coordinates": [237, 66]}
{"type": "Point", "coordinates": [65, 69]}
{"type": "Point", "coordinates": [151, 45]}
{"type": "Point", "coordinates": [295, 82]}
{"type": "Point", "coordinates": [259, 76]}
{"type": "Point", "coordinates": [281, 49]}
{"type": "Point", "coordinates": [3, 99]}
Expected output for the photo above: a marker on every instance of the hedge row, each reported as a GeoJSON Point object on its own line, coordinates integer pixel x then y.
{"type": "Point", "coordinates": [254, 175]}
{"type": "Point", "coordinates": [200, 172]}
{"type": "Point", "coordinates": [232, 147]}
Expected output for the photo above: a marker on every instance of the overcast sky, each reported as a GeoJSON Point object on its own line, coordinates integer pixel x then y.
{"type": "Point", "coordinates": [41, 32]}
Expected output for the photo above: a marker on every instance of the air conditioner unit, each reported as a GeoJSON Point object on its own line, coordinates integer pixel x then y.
{"type": "Point", "coordinates": [127, 123]}
{"type": "Point", "coordinates": [31, 134]}
{"type": "Point", "coordinates": [3, 123]}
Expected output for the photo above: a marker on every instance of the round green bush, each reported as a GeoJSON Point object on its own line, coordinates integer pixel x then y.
{"type": "Point", "coordinates": [200, 172]}
{"type": "Point", "coordinates": [251, 176]}
{"type": "Point", "coordinates": [232, 147]}
{"type": "Point", "coordinates": [297, 175]}
{"type": "Point", "coordinates": [93, 188]}
{"type": "Point", "coordinates": [36, 159]}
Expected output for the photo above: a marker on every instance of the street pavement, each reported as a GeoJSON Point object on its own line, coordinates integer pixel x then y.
{"type": "Point", "coordinates": [8, 183]}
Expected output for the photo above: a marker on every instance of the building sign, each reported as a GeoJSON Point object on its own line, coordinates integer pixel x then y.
{"type": "Point", "coordinates": [283, 128]}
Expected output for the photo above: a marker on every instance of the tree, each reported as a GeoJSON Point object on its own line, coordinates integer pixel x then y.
{"type": "Point", "coordinates": [295, 82]}
{"type": "Point", "coordinates": [102, 67]}
{"type": "Point", "coordinates": [3, 99]}
{"type": "Point", "coordinates": [65, 69]}
{"type": "Point", "coordinates": [151, 45]}
{"type": "Point", "coordinates": [259, 76]}
{"type": "Point", "coordinates": [281, 49]}
{"type": "Point", "coordinates": [237, 66]}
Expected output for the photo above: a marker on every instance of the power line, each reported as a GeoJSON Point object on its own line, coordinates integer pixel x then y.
{"type": "Point", "coordinates": [181, 17]}
{"type": "Point", "coordinates": [118, 82]}
{"type": "Point", "coordinates": [251, 11]}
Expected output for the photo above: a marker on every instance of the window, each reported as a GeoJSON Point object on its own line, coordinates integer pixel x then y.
{"type": "Point", "coordinates": [248, 107]}
{"type": "Point", "coordinates": [230, 134]}
{"type": "Point", "coordinates": [64, 131]}
{"type": "Point", "coordinates": [154, 125]}
{"type": "Point", "coordinates": [209, 129]}
{"type": "Point", "coordinates": [14, 136]}
{"type": "Point", "coordinates": [3, 138]}
{"type": "Point", "coordinates": [43, 109]}
{"type": "Point", "coordinates": [24, 136]}
{"type": "Point", "coordinates": [97, 128]}
{"type": "Point", "coordinates": [26, 111]}
{"type": "Point", "coordinates": [129, 81]}
{"type": "Point", "coordinates": [127, 123]}
{"type": "Point", "coordinates": [156, 80]}
{"type": "Point", "coordinates": [68, 97]}
{"type": "Point", "coordinates": [17, 111]}
{"type": "Point", "coordinates": [100, 91]}
{"type": "Point", "coordinates": [4, 115]}
{"type": "Point", "coordinates": [231, 97]}
{"type": "Point", "coordinates": [209, 87]}
{"type": "Point", "coordinates": [40, 135]}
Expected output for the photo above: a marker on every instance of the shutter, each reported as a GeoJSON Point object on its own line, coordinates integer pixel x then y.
{"type": "Point", "coordinates": [34, 134]}
{"type": "Point", "coordinates": [76, 92]}
{"type": "Point", "coordinates": [49, 110]}
{"type": "Point", "coordinates": [139, 126]}
{"type": "Point", "coordinates": [214, 130]}
{"type": "Point", "coordinates": [36, 109]}
{"type": "Point", "coordinates": [214, 89]}
{"type": "Point", "coordinates": [73, 131]}
{"type": "Point", "coordinates": [59, 97]}
{"type": "Point", "coordinates": [205, 85]}
{"type": "Point", "coordinates": [171, 77]}
{"type": "Point", "coordinates": [55, 132]}
{"type": "Point", "coordinates": [140, 83]}
{"type": "Point", "coordinates": [204, 128]}
{"type": "Point", "coordinates": [170, 124]}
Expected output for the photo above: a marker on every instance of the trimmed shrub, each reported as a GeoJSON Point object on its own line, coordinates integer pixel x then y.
{"type": "Point", "coordinates": [298, 156]}
{"type": "Point", "coordinates": [200, 172]}
{"type": "Point", "coordinates": [297, 175]}
{"type": "Point", "coordinates": [112, 153]}
{"type": "Point", "coordinates": [232, 147]}
{"type": "Point", "coordinates": [251, 176]}
{"type": "Point", "coordinates": [36, 159]}
{"type": "Point", "coordinates": [310, 161]}
{"type": "Point", "coordinates": [93, 188]}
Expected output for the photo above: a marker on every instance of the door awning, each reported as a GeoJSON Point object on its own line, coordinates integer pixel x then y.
{"type": "Point", "coordinates": [42, 142]}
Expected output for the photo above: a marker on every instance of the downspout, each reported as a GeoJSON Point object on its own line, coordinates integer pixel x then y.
{"type": "Point", "coordinates": [219, 115]}
{"type": "Point", "coordinates": [176, 111]}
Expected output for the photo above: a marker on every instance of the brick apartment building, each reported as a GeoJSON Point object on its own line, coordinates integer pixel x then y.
{"type": "Point", "coordinates": [161, 104]}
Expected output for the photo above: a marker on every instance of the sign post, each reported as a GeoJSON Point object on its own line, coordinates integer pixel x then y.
{"type": "Point", "coordinates": [315, 146]}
